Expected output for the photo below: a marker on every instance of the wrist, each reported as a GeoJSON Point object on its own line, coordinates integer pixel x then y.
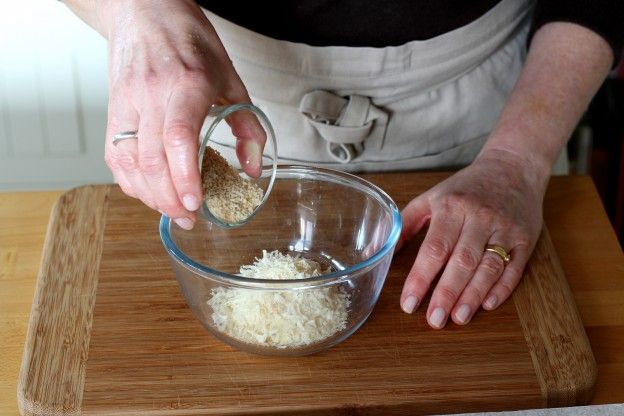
{"type": "Point", "coordinates": [534, 167]}
{"type": "Point", "coordinates": [109, 13]}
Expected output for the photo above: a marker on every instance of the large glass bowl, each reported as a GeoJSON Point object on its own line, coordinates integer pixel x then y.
{"type": "Point", "coordinates": [341, 221]}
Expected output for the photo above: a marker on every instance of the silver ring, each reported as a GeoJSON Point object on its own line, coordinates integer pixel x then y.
{"type": "Point", "coordinates": [124, 135]}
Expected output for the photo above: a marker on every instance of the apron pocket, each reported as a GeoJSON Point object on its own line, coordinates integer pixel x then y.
{"type": "Point", "coordinates": [344, 123]}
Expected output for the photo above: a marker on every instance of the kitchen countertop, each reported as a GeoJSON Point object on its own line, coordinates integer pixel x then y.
{"type": "Point", "coordinates": [590, 254]}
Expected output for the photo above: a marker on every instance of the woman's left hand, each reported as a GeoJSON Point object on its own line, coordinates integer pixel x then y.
{"type": "Point", "coordinates": [496, 200]}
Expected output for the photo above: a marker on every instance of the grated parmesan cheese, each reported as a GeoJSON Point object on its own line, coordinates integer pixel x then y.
{"type": "Point", "coordinates": [280, 319]}
{"type": "Point", "coordinates": [228, 196]}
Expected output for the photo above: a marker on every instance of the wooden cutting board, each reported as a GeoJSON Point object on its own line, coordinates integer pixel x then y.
{"type": "Point", "coordinates": [110, 334]}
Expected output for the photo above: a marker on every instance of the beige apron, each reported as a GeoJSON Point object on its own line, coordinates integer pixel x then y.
{"type": "Point", "coordinates": [422, 105]}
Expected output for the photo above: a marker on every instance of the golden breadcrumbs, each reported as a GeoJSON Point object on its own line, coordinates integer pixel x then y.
{"type": "Point", "coordinates": [228, 196]}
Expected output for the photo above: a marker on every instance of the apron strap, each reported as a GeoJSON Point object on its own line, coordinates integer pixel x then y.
{"type": "Point", "coordinates": [344, 123]}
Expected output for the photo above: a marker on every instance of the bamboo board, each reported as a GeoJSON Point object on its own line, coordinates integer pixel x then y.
{"type": "Point", "coordinates": [110, 333]}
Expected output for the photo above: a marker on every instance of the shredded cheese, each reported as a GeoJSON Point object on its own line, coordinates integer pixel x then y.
{"type": "Point", "coordinates": [282, 319]}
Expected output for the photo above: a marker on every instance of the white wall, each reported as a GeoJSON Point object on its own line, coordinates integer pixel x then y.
{"type": "Point", "coordinates": [53, 98]}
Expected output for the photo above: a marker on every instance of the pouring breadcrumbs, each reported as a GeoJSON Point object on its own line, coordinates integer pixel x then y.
{"type": "Point", "coordinates": [228, 196]}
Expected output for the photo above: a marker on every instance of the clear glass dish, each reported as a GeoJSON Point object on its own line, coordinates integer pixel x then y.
{"type": "Point", "coordinates": [343, 222]}
{"type": "Point", "coordinates": [220, 137]}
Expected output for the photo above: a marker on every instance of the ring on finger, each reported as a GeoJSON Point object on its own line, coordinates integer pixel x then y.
{"type": "Point", "coordinates": [124, 135]}
{"type": "Point", "coordinates": [500, 251]}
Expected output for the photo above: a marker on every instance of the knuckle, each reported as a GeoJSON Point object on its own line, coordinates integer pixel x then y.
{"type": "Point", "coordinates": [438, 249]}
{"type": "Point", "coordinates": [455, 201]}
{"type": "Point", "coordinates": [236, 88]}
{"type": "Point", "coordinates": [474, 295]}
{"type": "Point", "coordinates": [418, 283]}
{"type": "Point", "coordinates": [467, 260]}
{"type": "Point", "coordinates": [505, 222]}
{"type": "Point", "coordinates": [192, 78]}
{"type": "Point", "coordinates": [178, 134]}
{"type": "Point", "coordinates": [151, 164]}
{"type": "Point", "coordinates": [514, 272]}
{"type": "Point", "coordinates": [125, 161]}
{"type": "Point", "coordinates": [492, 265]}
{"type": "Point", "coordinates": [181, 176]}
{"type": "Point", "coordinates": [447, 293]}
{"type": "Point", "coordinates": [506, 288]}
{"type": "Point", "coordinates": [486, 214]}
{"type": "Point", "coordinates": [523, 239]}
{"type": "Point", "coordinates": [122, 91]}
{"type": "Point", "coordinates": [150, 78]}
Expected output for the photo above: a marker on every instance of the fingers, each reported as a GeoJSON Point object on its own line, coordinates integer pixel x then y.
{"type": "Point", "coordinates": [414, 216]}
{"type": "Point", "coordinates": [141, 166]}
{"type": "Point", "coordinates": [122, 116]}
{"type": "Point", "coordinates": [248, 130]}
{"type": "Point", "coordinates": [510, 278]}
{"type": "Point", "coordinates": [154, 166]}
{"type": "Point", "coordinates": [472, 278]}
{"type": "Point", "coordinates": [185, 113]}
{"type": "Point", "coordinates": [126, 156]}
{"type": "Point", "coordinates": [250, 142]}
{"type": "Point", "coordinates": [433, 254]}
{"type": "Point", "coordinates": [487, 274]}
{"type": "Point", "coordinates": [460, 269]}
{"type": "Point", "coordinates": [163, 87]}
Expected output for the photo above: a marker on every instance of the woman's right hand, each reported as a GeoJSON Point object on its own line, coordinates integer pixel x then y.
{"type": "Point", "coordinates": [167, 67]}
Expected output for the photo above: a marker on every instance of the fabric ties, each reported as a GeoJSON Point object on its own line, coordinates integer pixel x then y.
{"type": "Point", "coordinates": [344, 123]}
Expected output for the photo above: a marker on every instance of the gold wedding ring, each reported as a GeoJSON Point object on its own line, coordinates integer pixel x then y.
{"type": "Point", "coordinates": [500, 251]}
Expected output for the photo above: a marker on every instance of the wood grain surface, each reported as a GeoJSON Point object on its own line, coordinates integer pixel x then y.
{"type": "Point", "coordinates": [564, 364]}
{"type": "Point", "coordinates": [57, 344]}
{"type": "Point", "coordinates": [593, 262]}
{"type": "Point", "coordinates": [148, 354]}
{"type": "Point", "coordinates": [589, 254]}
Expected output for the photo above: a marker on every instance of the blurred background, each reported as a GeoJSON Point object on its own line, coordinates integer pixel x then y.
{"type": "Point", "coordinates": [53, 97]}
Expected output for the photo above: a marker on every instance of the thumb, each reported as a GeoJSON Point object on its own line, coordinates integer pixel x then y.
{"type": "Point", "coordinates": [250, 134]}
{"type": "Point", "coordinates": [250, 142]}
{"type": "Point", "coordinates": [415, 215]}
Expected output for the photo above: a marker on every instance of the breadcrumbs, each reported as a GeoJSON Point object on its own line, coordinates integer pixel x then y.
{"type": "Point", "coordinates": [228, 196]}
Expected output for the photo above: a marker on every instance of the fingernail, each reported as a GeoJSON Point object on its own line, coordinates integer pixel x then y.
{"type": "Point", "coordinates": [253, 154]}
{"type": "Point", "coordinates": [437, 317]}
{"type": "Point", "coordinates": [409, 304]}
{"type": "Point", "coordinates": [463, 313]}
{"type": "Point", "coordinates": [491, 302]}
{"type": "Point", "coordinates": [190, 202]}
{"type": "Point", "coordinates": [185, 223]}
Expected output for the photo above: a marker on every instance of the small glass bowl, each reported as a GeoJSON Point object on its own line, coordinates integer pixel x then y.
{"type": "Point", "coordinates": [220, 137]}
{"type": "Point", "coordinates": [339, 220]}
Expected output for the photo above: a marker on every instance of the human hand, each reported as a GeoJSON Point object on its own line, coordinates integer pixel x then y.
{"type": "Point", "coordinates": [496, 200]}
{"type": "Point", "coordinates": [167, 67]}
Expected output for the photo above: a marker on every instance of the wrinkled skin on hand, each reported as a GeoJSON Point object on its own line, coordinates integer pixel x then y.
{"type": "Point", "coordinates": [496, 200]}
{"type": "Point", "coordinates": [164, 76]}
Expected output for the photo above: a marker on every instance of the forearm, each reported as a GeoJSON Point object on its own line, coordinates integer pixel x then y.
{"type": "Point", "coordinates": [107, 16]}
{"type": "Point", "coordinates": [90, 12]}
{"type": "Point", "coordinates": [565, 66]}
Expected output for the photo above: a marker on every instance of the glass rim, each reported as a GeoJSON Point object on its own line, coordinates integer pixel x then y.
{"type": "Point", "coordinates": [220, 113]}
{"type": "Point", "coordinates": [294, 171]}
